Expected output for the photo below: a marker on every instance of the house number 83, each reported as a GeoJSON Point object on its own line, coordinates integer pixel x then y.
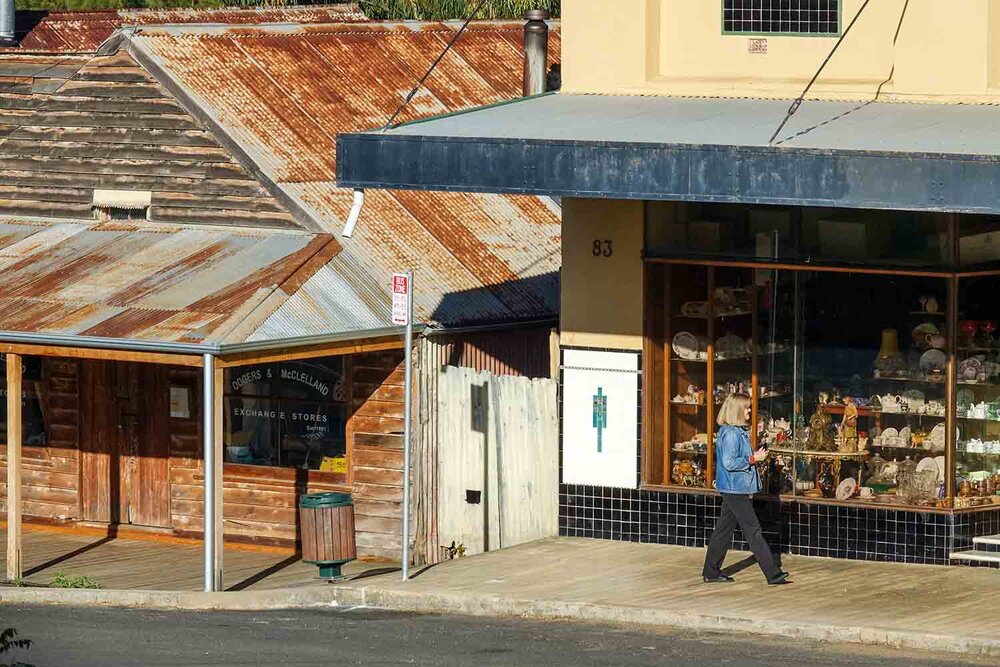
{"type": "Point", "coordinates": [602, 249]}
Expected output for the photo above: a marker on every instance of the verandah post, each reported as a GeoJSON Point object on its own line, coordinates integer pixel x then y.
{"type": "Point", "coordinates": [14, 562]}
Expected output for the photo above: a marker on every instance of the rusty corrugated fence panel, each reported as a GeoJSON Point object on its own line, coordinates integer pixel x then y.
{"type": "Point", "coordinates": [522, 351]}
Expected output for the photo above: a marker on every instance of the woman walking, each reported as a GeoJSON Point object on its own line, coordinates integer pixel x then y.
{"type": "Point", "coordinates": [737, 480]}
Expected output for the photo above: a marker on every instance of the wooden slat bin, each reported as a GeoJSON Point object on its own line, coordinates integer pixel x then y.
{"type": "Point", "coordinates": [327, 521]}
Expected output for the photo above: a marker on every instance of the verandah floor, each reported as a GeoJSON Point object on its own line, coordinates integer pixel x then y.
{"type": "Point", "coordinates": [122, 563]}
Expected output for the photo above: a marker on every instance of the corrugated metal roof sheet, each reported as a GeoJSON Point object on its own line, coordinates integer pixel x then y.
{"type": "Point", "coordinates": [126, 280]}
{"type": "Point", "coordinates": [84, 31]}
{"type": "Point", "coordinates": [284, 93]}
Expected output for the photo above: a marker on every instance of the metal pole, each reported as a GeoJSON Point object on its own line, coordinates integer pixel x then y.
{"type": "Point", "coordinates": [208, 438]}
{"type": "Point", "coordinates": [407, 403]}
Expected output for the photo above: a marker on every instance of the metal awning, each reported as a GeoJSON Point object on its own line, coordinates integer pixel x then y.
{"type": "Point", "coordinates": [849, 154]}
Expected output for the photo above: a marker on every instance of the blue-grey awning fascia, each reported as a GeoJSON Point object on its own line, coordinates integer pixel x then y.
{"type": "Point", "coordinates": [215, 349]}
{"type": "Point", "coordinates": [641, 170]}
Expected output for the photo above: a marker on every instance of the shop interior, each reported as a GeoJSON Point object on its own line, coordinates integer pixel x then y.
{"type": "Point", "coordinates": [867, 339]}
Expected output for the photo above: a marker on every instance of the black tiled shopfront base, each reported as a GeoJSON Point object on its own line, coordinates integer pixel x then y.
{"type": "Point", "coordinates": [687, 519]}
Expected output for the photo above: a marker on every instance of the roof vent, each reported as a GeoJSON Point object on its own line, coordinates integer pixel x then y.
{"type": "Point", "coordinates": [7, 35]}
{"type": "Point", "coordinates": [122, 204]}
{"type": "Point", "coordinates": [536, 50]}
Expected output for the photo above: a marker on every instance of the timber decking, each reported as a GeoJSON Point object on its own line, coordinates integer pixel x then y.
{"type": "Point", "coordinates": [120, 563]}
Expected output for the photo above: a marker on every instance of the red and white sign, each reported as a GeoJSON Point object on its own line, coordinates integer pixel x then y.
{"type": "Point", "coordinates": [400, 298]}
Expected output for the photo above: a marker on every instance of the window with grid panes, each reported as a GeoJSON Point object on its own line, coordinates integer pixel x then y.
{"type": "Point", "coordinates": [790, 17]}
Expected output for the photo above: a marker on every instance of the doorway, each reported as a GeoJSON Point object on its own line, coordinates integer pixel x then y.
{"type": "Point", "coordinates": [125, 443]}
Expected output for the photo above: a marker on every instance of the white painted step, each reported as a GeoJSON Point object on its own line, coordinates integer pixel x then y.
{"type": "Point", "coordinates": [976, 556]}
{"type": "Point", "coordinates": [992, 540]}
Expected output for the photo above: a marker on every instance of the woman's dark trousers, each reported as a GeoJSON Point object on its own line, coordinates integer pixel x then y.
{"type": "Point", "coordinates": [737, 510]}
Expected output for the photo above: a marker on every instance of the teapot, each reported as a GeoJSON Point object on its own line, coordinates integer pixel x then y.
{"type": "Point", "coordinates": [889, 403]}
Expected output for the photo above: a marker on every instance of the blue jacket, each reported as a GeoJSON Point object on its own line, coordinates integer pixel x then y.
{"type": "Point", "coordinates": [733, 472]}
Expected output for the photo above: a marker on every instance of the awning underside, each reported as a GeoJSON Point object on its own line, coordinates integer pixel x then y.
{"type": "Point", "coordinates": [850, 154]}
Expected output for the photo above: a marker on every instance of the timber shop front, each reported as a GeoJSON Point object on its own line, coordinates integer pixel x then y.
{"type": "Point", "coordinates": [143, 393]}
{"type": "Point", "coordinates": [843, 275]}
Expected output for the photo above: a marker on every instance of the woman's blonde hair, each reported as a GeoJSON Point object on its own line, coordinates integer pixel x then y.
{"type": "Point", "coordinates": [734, 411]}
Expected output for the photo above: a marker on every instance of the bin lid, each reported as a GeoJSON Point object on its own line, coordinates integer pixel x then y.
{"type": "Point", "coordinates": [315, 500]}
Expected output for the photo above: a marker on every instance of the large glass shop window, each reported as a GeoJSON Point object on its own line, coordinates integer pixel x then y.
{"type": "Point", "coordinates": [290, 414]}
{"type": "Point", "coordinates": [849, 372]}
{"type": "Point", "coordinates": [32, 401]}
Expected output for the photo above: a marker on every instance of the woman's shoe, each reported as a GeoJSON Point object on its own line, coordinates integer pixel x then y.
{"type": "Point", "coordinates": [721, 579]}
{"type": "Point", "coordinates": [778, 579]}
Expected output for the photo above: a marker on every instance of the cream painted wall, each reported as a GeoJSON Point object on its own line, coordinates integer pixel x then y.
{"type": "Point", "coordinates": [602, 296]}
{"type": "Point", "coordinates": [947, 50]}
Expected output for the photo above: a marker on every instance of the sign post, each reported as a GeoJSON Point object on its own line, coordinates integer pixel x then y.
{"type": "Point", "coordinates": [402, 313]}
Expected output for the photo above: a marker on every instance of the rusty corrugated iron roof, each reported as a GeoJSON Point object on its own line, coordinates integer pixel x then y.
{"type": "Point", "coordinates": [176, 284]}
{"type": "Point", "coordinates": [84, 31]}
{"type": "Point", "coordinates": [283, 93]}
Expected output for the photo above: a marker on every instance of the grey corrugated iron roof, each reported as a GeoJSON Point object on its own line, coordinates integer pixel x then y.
{"type": "Point", "coordinates": [863, 126]}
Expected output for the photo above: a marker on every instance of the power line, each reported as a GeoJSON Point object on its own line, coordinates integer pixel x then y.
{"type": "Point", "coordinates": [475, 11]}
{"type": "Point", "coordinates": [798, 101]}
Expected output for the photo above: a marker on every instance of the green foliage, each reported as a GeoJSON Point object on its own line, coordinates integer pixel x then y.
{"type": "Point", "coordinates": [9, 642]}
{"type": "Point", "coordinates": [428, 10]}
{"type": "Point", "coordinates": [63, 581]}
{"type": "Point", "coordinates": [18, 582]}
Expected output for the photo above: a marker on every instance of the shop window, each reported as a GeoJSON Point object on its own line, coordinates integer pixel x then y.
{"type": "Point", "coordinates": [977, 457]}
{"type": "Point", "coordinates": [847, 372]}
{"type": "Point", "coordinates": [289, 414]}
{"type": "Point", "coordinates": [789, 17]}
{"type": "Point", "coordinates": [32, 402]}
{"type": "Point", "coordinates": [979, 242]}
{"type": "Point", "coordinates": [806, 236]}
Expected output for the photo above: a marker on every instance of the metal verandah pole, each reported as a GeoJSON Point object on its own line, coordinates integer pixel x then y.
{"type": "Point", "coordinates": [407, 406]}
{"type": "Point", "coordinates": [208, 438]}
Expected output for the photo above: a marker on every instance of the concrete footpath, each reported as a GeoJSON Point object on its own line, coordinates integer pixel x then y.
{"type": "Point", "coordinates": [923, 607]}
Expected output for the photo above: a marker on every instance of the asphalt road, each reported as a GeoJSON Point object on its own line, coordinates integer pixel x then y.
{"type": "Point", "coordinates": [67, 637]}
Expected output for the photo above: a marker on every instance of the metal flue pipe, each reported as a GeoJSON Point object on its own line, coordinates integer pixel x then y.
{"type": "Point", "coordinates": [536, 50]}
{"type": "Point", "coordinates": [7, 37]}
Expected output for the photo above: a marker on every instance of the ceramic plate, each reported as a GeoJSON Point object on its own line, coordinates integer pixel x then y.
{"type": "Point", "coordinates": [933, 360]}
{"type": "Point", "coordinates": [939, 460]}
{"type": "Point", "coordinates": [847, 488]}
{"type": "Point", "coordinates": [914, 397]}
{"type": "Point", "coordinates": [889, 432]}
{"type": "Point", "coordinates": [685, 345]}
{"type": "Point", "coordinates": [928, 463]}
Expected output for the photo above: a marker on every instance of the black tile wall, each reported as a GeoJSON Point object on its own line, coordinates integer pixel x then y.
{"type": "Point", "coordinates": [687, 519]}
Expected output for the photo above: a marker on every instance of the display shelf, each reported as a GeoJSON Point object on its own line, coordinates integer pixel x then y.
{"type": "Point", "coordinates": [937, 381]}
{"type": "Point", "coordinates": [961, 449]}
{"type": "Point", "coordinates": [819, 454]}
{"type": "Point", "coordinates": [976, 383]}
{"type": "Point", "coordinates": [978, 419]}
{"type": "Point", "coordinates": [909, 448]}
{"type": "Point", "coordinates": [739, 313]}
{"type": "Point", "coordinates": [675, 450]}
{"type": "Point", "coordinates": [868, 412]}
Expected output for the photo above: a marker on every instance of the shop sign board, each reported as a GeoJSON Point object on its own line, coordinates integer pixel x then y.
{"type": "Point", "coordinates": [600, 418]}
{"type": "Point", "coordinates": [400, 298]}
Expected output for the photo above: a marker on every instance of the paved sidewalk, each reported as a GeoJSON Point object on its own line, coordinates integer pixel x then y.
{"type": "Point", "coordinates": [910, 606]}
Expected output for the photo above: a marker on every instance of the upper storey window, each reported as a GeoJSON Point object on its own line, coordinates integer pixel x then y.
{"type": "Point", "coordinates": [782, 17]}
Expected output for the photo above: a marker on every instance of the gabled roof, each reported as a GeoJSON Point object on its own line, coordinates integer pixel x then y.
{"type": "Point", "coordinates": [281, 94]}
{"type": "Point", "coordinates": [73, 124]}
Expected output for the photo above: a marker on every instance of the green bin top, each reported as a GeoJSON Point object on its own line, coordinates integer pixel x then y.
{"type": "Point", "coordinates": [317, 500]}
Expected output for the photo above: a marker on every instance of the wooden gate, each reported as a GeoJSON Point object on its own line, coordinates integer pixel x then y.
{"type": "Point", "coordinates": [125, 444]}
{"type": "Point", "coordinates": [497, 453]}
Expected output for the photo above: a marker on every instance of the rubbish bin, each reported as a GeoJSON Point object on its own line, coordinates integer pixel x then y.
{"type": "Point", "coordinates": [327, 521]}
